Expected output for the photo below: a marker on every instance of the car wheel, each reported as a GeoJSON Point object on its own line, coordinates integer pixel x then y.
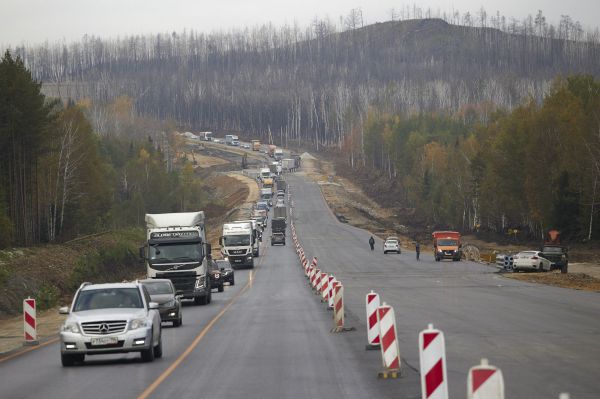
{"type": "Point", "coordinates": [201, 300]}
{"type": "Point", "coordinates": [385, 252]}
{"type": "Point", "coordinates": [148, 354]}
{"type": "Point", "coordinates": [564, 268]}
{"type": "Point", "coordinates": [221, 288]}
{"type": "Point", "coordinates": [209, 297]}
{"type": "Point", "coordinates": [232, 282]}
{"type": "Point", "coordinates": [179, 321]}
{"type": "Point", "coordinates": [515, 269]}
{"type": "Point", "coordinates": [70, 360]}
{"type": "Point", "coordinates": [158, 349]}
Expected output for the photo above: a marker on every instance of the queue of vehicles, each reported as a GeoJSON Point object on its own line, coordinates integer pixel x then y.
{"type": "Point", "coordinates": [128, 316]}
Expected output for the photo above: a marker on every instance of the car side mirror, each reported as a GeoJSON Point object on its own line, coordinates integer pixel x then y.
{"type": "Point", "coordinates": [221, 241]}
{"type": "Point", "coordinates": [153, 305]}
{"type": "Point", "coordinates": [63, 310]}
{"type": "Point", "coordinates": [143, 252]}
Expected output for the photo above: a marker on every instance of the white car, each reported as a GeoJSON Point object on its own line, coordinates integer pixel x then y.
{"type": "Point", "coordinates": [531, 260]}
{"type": "Point", "coordinates": [391, 244]}
{"type": "Point", "coordinates": [110, 318]}
{"type": "Point", "coordinates": [246, 146]}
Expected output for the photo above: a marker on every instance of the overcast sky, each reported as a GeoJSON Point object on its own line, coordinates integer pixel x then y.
{"type": "Point", "coordinates": [34, 21]}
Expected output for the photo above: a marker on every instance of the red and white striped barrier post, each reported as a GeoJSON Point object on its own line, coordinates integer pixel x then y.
{"type": "Point", "coordinates": [315, 278]}
{"type": "Point", "coordinates": [485, 382]}
{"type": "Point", "coordinates": [432, 356]}
{"type": "Point", "coordinates": [29, 322]}
{"type": "Point", "coordinates": [324, 287]}
{"type": "Point", "coordinates": [338, 307]}
{"type": "Point", "coordinates": [390, 350]}
{"type": "Point", "coordinates": [319, 283]}
{"type": "Point", "coordinates": [311, 274]}
{"type": "Point", "coordinates": [332, 280]}
{"type": "Point", "coordinates": [372, 302]}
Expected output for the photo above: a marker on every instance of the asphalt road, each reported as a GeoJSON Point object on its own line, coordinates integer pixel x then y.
{"type": "Point", "coordinates": [544, 339]}
{"type": "Point", "coordinates": [269, 336]}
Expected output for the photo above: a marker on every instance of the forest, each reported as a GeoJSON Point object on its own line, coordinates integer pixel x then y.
{"type": "Point", "coordinates": [530, 169]}
{"type": "Point", "coordinates": [59, 179]}
{"type": "Point", "coordinates": [470, 121]}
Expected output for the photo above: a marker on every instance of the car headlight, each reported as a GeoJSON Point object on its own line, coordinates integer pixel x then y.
{"type": "Point", "coordinates": [169, 304]}
{"type": "Point", "coordinates": [70, 327]}
{"type": "Point", "coordinates": [138, 323]}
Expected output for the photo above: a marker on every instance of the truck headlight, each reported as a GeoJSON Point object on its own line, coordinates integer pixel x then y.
{"type": "Point", "coordinates": [138, 323]}
{"type": "Point", "coordinates": [199, 283]}
{"type": "Point", "coordinates": [71, 327]}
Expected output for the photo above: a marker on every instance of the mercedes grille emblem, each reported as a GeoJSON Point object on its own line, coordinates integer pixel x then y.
{"type": "Point", "coordinates": [104, 328]}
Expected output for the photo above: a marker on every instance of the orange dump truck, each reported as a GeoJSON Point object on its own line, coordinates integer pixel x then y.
{"type": "Point", "coordinates": [446, 245]}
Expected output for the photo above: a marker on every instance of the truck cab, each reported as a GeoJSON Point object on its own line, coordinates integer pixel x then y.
{"type": "Point", "coordinates": [237, 244]}
{"type": "Point", "coordinates": [177, 250]}
{"type": "Point", "coordinates": [255, 145]}
{"type": "Point", "coordinates": [257, 234]}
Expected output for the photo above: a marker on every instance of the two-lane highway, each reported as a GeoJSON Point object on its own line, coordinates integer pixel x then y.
{"type": "Point", "coordinates": [269, 335]}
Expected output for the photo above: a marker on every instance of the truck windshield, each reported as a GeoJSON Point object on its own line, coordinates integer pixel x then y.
{"type": "Point", "coordinates": [447, 242]}
{"type": "Point", "coordinates": [236, 241]}
{"type": "Point", "coordinates": [178, 252]}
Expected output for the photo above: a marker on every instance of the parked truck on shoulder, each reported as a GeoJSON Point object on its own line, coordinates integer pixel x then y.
{"type": "Point", "coordinates": [555, 252]}
{"type": "Point", "coordinates": [446, 245]}
{"type": "Point", "coordinates": [177, 250]}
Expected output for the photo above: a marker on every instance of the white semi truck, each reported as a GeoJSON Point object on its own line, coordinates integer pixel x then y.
{"type": "Point", "coordinates": [177, 250]}
{"type": "Point", "coordinates": [256, 232]}
{"type": "Point", "coordinates": [237, 244]}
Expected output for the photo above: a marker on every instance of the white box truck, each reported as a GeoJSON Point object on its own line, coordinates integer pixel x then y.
{"type": "Point", "coordinates": [177, 250]}
{"type": "Point", "coordinates": [237, 244]}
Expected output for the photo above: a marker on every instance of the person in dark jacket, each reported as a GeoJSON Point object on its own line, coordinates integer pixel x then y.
{"type": "Point", "coordinates": [372, 243]}
{"type": "Point", "coordinates": [418, 249]}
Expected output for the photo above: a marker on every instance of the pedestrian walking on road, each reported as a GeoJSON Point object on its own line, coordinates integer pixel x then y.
{"type": "Point", "coordinates": [372, 243]}
{"type": "Point", "coordinates": [418, 249]}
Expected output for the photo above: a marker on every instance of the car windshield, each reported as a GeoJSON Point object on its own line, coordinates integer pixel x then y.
{"type": "Point", "coordinates": [222, 264]}
{"type": "Point", "coordinates": [107, 298]}
{"type": "Point", "coordinates": [527, 254]}
{"type": "Point", "coordinates": [178, 252]}
{"type": "Point", "coordinates": [158, 288]}
{"type": "Point", "coordinates": [447, 242]}
{"type": "Point", "coordinates": [236, 241]}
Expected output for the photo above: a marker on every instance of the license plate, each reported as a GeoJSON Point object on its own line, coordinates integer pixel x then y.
{"type": "Point", "coordinates": [237, 260]}
{"type": "Point", "coordinates": [104, 341]}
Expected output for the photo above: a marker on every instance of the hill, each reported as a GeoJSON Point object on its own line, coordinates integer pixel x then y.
{"type": "Point", "coordinates": [316, 83]}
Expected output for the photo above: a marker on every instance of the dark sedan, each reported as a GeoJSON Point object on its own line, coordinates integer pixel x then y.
{"type": "Point", "coordinates": [162, 292]}
{"type": "Point", "coordinates": [227, 271]}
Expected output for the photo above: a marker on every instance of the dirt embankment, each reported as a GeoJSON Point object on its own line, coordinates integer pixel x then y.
{"type": "Point", "coordinates": [350, 204]}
